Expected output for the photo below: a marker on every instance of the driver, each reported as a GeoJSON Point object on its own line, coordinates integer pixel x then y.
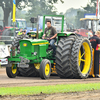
{"type": "Point", "coordinates": [50, 34]}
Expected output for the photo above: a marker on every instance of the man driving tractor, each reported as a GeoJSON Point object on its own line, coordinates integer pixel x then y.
{"type": "Point", "coordinates": [50, 34]}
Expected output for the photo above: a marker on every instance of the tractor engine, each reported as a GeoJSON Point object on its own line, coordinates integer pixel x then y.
{"type": "Point", "coordinates": [33, 48]}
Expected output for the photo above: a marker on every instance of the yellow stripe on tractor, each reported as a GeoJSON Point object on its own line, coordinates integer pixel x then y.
{"type": "Point", "coordinates": [40, 43]}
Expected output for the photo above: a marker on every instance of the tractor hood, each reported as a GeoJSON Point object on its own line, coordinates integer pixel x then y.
{"type": "Point", "coordinates": [36, 47]}
{"type": "Point", "coordinates": [36, 41]}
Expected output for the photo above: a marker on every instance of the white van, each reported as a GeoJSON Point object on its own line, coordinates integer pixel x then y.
{"type": "Point", "coordinates": [4, 53]}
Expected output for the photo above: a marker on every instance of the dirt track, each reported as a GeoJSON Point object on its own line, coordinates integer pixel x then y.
{"type": "Point", "coordinates": [89, 95]}
{"type": "Point", "coordinates": [36, 81]}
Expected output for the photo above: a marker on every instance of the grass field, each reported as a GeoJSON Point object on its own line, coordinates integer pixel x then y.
{"type": "Point", "coordinates": [49, 89]}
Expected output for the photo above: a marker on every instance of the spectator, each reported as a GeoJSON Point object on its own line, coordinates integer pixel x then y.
{"type": "Point", "coordinates": [77, 33]}
{"type": "Point", "coordinates": [90, 33]}
{"type": "Point", "coordinates": [95, 42]}
{"type": "Point", "coordinates": [24, 32]}
{"type": "Point", "coordinates": [20, 32]}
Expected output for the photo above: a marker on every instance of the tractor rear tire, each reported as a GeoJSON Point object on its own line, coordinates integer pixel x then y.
{"type": "Point", "coordinates": [63, 56]}
{"type": "Point", "coordinates": [73, 57]}
{"type": "Point", "coordinates": [45, 69]}
{"type": "Point", "coordinates": [29, 72]}
{"type": "Point", "coordinates": [16, 40]}
{"type": "Point", "coordinates": [11, 71]}
{"type": "Point", "coordinates": [80, 65]}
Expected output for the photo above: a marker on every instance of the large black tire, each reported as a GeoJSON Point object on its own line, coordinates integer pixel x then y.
{"type": "Point", "coordinates": [29, 72]}
{"type": "Point", "coordinates": [7, 32]}
{"type": "Point", "coordinates": [77, 72]}
{"type": "Point", "coordinates": [67, 57]}
{"type": "Point", "coordinates": [15, 42]}
{"type": "Point", "coordinates": [9, 71]}
{"type": "Point", "coordinates": [45, 69]}
{"type": "Point", "coordinates": [63, 55]}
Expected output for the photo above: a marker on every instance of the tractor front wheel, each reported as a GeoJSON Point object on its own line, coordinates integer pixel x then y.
{"type": "Point", "coordinates": [45, 69]}
{"type": "Point", "coordinates": [12, 70]}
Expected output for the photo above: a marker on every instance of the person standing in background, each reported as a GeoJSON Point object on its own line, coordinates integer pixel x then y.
{"type": "Point", "coordinates": [77, 33]}
{"type": "Point", "coordinates": [20, 32]}
{"type": "Point", "coordinates": [95, 42]}
{"type": "Point", "coordinates": [90, 33]}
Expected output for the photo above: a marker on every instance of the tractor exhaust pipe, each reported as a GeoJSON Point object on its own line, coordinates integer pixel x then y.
{"type": "Point", "coordinates": [37, 27]}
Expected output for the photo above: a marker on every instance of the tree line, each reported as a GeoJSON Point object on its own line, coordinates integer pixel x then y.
{"type": "Point", "coordinates": [42, 7]}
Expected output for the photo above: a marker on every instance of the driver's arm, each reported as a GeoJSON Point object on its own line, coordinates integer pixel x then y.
{"type": "Point", "coordinates": [53, 36]}
{"type": "Point", "coordinates": [43, 37]}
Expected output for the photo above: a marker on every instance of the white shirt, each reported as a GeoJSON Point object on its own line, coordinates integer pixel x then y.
{"type": "Point", "coordinates": [89, 34]}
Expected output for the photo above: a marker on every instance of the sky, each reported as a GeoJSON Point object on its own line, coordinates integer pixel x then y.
{"type": "Point", "coordinates": [69, 4]}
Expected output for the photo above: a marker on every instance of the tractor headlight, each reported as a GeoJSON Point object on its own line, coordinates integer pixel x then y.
{"type": "Point", "coordinates": [24, 44]}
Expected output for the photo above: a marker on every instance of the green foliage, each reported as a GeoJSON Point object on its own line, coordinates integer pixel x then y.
{"type": "Point", "coordinates": [76, 14]}
{"type": "Point", "coordinates": [41, 7]}
{"type": "Point", "coordinates": [54, 1]}
{"type": "Point", "coordinates": [71, 17]}
{"type": "Point", "coordinates": [7, 6]}
{"type": "Point", "coordinates": [80, 14]}
{"type": "Point", "coordinates": [89, 9]}
{"type": "Point", "coordinates": [20, 14]}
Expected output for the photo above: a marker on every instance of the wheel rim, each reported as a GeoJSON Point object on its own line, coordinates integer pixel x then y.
{"type": "Point", "coordinates": [47, 69]}
{"type": "Point", "coordinates": [87, 58]}
{"type": "Point", "coordinates": [37, 66]}
{"type": "Point", "coordinates": [79, 61]}
{"type": "Point", "coordinates": [14, 69]}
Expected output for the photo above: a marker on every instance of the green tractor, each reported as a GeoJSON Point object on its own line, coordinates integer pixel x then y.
{"type": "Point", "coordinates": [34, 57]}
